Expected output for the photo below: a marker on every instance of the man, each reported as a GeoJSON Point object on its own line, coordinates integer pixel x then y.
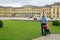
{"type": "Point", "coordinates": [43, 23]}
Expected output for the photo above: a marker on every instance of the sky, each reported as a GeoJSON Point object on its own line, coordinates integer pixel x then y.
{"type": "Point", "coordinates": [20, 3]}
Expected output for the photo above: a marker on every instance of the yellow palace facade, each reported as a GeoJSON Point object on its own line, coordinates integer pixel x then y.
{"type": "Point", "coordinates": [29, 11]}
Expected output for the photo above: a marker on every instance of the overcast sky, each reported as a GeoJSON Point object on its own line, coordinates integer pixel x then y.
{"type": "Point", "coordinates": [19, 3]}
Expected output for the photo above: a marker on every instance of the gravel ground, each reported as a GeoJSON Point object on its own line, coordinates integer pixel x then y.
{"type": "Point", "coordinates": [49, 37]}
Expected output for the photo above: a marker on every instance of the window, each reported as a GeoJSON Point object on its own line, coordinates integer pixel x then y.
{"type": "Point", "coordinates": [57, 8]}
{"type": "Point", "coordinates": [53, 8]}
{"type": "Point", "coordinates": [38, 14]}
{"type": "Point", "coordinates": [53, 12]}
{"type": "Point", "coordinates": [57, 12]}
{"type": "Point", "coordinates": [57, 16]}
{"type": "Point", "coordinates": [47, 13]}
{"type": "Point", "coordinates": [13, 15]}
{"type": "Point", "coordinates": [54, 16]}
{"type": "Point", "coordinates": [47, 16]}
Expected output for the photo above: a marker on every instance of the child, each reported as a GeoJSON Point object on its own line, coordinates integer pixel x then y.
{"type": "Point", "coordinates": [47, 28]}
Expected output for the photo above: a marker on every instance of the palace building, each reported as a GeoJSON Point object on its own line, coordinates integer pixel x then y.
{"type": "Point", "coordinates": [30, 11]}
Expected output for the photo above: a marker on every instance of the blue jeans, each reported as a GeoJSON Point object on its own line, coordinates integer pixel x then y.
{"type": "Point", "coordinates": [44, 31]}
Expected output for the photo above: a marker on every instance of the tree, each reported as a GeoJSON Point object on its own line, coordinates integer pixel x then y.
{"type": "Point", "coordinates": [1, 24]}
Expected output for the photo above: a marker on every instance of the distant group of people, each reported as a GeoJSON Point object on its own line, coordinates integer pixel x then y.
{"type": "Point", "coordinates": [44, 26]}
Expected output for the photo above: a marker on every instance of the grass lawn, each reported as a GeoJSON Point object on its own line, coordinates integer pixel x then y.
{"type": "Point", "coordinates": [23, 30]}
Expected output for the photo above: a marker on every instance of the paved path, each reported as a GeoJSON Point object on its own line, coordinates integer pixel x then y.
{"type": "Point", "coordinates": [49, 37]}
